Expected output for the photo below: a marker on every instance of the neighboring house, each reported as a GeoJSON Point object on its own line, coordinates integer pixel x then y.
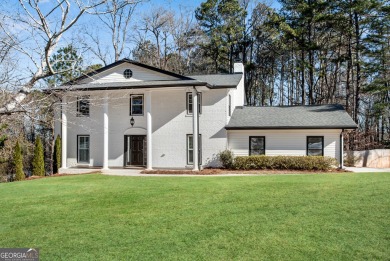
{"type": "Point", "coordinates": [130, 114]}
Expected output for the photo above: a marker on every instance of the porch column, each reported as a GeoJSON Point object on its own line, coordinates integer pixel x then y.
{"type": "Point", "coordinates": [64, 134]}
{"type": "Point", "coordinates": [195, 131]}
{"type": "Point", "coordinates": [105, 132]}
{"type": "Point", "coordinates": [149, 146]}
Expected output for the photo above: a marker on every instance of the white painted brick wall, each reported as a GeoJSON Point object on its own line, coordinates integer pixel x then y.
{"type": "Point", "coordinates": [170, 121]}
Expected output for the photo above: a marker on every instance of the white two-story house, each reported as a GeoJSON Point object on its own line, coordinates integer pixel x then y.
{"type": "Point", "coordinates": [131, 114]}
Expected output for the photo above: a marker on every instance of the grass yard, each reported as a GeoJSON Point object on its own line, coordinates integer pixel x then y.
{"type": "Point", "coordinates": [285, 217]}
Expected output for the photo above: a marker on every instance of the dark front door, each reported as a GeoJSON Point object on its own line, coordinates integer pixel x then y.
{"type": "Point", "coordinates": [135, 150]}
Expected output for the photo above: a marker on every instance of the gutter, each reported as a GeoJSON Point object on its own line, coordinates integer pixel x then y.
{"type": "Point", "coordinates": [290, 127]}
{"type": "Point", "coordinates": [197, 119]}
{"type": "Point", "coordinates": [341, 149]}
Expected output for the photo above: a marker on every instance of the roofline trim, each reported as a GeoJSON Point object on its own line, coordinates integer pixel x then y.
{"type": "Point", "coordinates": [123, 87]}
{"type": "Point", "coordinates": [290, 127]}
{"type": "Point", "coordinates": [211, 86]}
{"type": "Point", "coordinates": [117, 63]}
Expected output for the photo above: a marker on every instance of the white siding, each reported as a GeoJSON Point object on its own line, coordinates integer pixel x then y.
{"type": "Point", "coordinates": [115, 74]}
{"type": "Point", "coordinates": [284, 142]}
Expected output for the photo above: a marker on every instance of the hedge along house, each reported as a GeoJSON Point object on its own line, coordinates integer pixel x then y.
{"type": "Point", "coordinates": [130, 114]}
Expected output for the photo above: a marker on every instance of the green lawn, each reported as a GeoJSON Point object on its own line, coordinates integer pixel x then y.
{"type": "Point", "coordinates": [285, 217]}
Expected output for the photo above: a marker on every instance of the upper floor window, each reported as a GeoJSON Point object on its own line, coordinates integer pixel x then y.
{"type": "Point", "coordinates": [256, 145]}
{"type": "Point", "coordinates": [189, 102]}
{"type": "Point", "coordinates": [83, 106]}
{"type": "Point", "coordinates": [315, 146]}
{"type": "Point", "coordinates": [136, 104]}
{"type": "Point", "coordinates": [128, 73]}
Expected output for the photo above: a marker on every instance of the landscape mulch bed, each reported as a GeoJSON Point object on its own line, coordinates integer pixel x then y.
{"type": "Point", "coordinates": [57, 175]}
{"type": "Point", "coordinates": [230, 171]}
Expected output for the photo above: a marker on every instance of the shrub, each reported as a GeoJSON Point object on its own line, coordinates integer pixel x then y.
{"type": "Point", "coordinates": [18, 163]}
{"type": "Point", "coordinates": [284, 162]}
{"type": "Point", "coordinates": [57, 155]}
{"type": "Point", "coordinates": [38, 160]}
{"type": "Point", "coordinates": [226, 157]}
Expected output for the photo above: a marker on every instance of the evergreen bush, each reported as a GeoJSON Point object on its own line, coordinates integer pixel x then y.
{"type": "Point", "coordinates": [38, 160]}
{"type": "Point", "coordinates": [18, 163]}
{"type": "Point", "coordinates": [57, 155]}
{"type": "Point", "coordinates": [226, 157]}
{"type": "Point", "coordinates": [284, 162]}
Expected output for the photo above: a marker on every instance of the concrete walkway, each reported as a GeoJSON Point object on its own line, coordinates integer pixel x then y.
{"type": "Point", "coordinates": [137, 172]}
{"type": "Point", "coordinates": [364, 169]}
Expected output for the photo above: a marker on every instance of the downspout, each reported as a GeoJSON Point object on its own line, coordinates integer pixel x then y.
{"type": "Point", "coordinates": [195, 129]}
{"type": "Point", "coordinates": [199, 141]}
{"type": "Point", "coordinates": [342, 149]}
{"type": "Point", "coordinates": [199, 152]}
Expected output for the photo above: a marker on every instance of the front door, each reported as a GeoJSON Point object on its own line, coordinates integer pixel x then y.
{"type": "Point", "coordinates": [135, 150]}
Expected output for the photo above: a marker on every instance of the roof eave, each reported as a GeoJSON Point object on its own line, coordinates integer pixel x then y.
{"type": "Point", "coordinates": [211, 86]}
{"type": "Point", "coordinates": [289, 127]}
{"type": "Point", "coordinates": [74, 88]}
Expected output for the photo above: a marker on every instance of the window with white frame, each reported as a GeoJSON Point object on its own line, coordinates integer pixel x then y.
{"type": "Point", "coordinates": [190, 149]}
{"type": "Point", "coordinates": [136, 104]}
{"type": "Point", "coordinates": [256, 145]}
{"type": "Point", "coordinates": [83, 149]}
{"type": "Point", "coordinates": [189, 103]}
{"type": "Point", "coordinates": [83, 106]}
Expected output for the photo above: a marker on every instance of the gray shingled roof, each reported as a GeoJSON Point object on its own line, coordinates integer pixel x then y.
{"type": "Point", "coordinates": [291, 117]}
{"type": "Point", "coordinates": [219, 80]}
{"type": "Point", "coordinates": [130, 85]}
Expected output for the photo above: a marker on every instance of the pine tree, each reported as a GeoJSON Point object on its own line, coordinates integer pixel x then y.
{"type": "Point", "coordinates": [67, 61]}
{"type": "Point", "coordinates": [222, 23]}
{"type": "Point", "coordinates": [57, 155]}
{"type": "Point", "coordinates": [38, 160]}
{"type": "Point", "coordinates": [18, 162]}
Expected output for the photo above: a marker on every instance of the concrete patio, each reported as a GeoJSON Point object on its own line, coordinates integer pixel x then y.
{"type": "Point", "coordinates": [364, 169]}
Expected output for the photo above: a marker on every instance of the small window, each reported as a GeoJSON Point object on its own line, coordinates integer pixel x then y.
{"type": "Point", "coordinates": [83, 149]}
{"type": "Point", "coordinates": [256, 145]}
{"type": "Point", "coordinates": [136, 105]}
{"type": "Point", "coordinates": [315, 146]}
{"type": "Point", "coordinates": [190, 149]}
{"type": "Point", "coordinates": [128, 73]}
{"type": "Point", "coordinates": [83, 106]}
{"type": "Point", "coordinates": [189, 102]}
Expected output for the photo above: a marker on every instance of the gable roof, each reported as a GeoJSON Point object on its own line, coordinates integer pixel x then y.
{"type": "Point", "coordinates": [291, 117]}
{"type": "Point", "coordinates": [117, 63]}
{"type": "Point", "coordinates": [212, 81]}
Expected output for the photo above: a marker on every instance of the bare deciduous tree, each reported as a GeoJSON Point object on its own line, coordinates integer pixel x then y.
{"type": "Point", "coordinates": [35, 32]}
{"type": "Point", "coordinates": [116, 18]}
